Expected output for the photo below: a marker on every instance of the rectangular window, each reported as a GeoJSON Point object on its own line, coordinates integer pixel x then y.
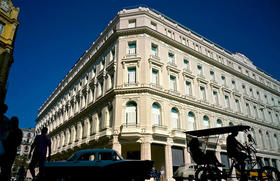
{"type": "Point", "coordinates": [202, 93]}
{"type": "Point", "coordinates": [172, 83]}
{"type": "Point", "coordinates": [155, 77]}
{"type": "Point", "coordinates": [266, 162]}
{"type": "Point", "coordinates": [224, 160]}
{"type": "Point", "coordinates": [183, 41]}
{"type": "Point", "coordinates": [154, 50]}
{"type": "Point", "coordinates": [270, 116]}
{"type": "Point", "coordinates": [131, 75]}
{"type": "Point", "coordinates": [215, 98]}
{"type": "Point", "coordinates": [171, 58]}
{"type": "Point", "coordinates": [262, 113]}
{"type": "Point", "coordinates": [132, 23]}
{"type": "Point", "coordinates": [153, 26]}
{"type": "Point", "coordinates": [112, 54]}
{"type": "Point", "coordinates": [188, 88]}
{"type": "Point", "coordinates": [256, 112]}
{"type": "Point", "coordinates": [212, 75]}
{"type": "Point", "coordinates": [132, 48]}
{"type": "Point", "coordinates": [251, 92]}
{"type": "Point", "coordinates": [248, 109]}
{"type": "Point", "coordinates": [223, 80]}
{"type": "Point", "coordinates": [265, 97]}
{"type": "Point", "coordinates": [233, 84]}
{"type": "Point", "coordinates": [227, 102]}
{"type": "Point", "coordinates": [186, 64]}
{"type": "Point", "coordinates": [237, 105]}
{"type": "Point", "coordinates": [169, 33]}
{"type": "Point", "coordinates": [244, 89]}
{"type": "Point", "coordinates": [258, 95]}
{"type": "Point", "coordinates": [199, 70]}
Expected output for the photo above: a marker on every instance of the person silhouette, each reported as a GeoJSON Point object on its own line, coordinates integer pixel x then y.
{"type": "Point", "coordinates": [10, 145]}
{"type": "Point", "coordinates": [4, 125]}
{"type": "Point", "coordinates": [235, 150]}
{"type": "Point", "coordinates": [40, 145]}
{"type": "Point", "coordinates": [21, 173]}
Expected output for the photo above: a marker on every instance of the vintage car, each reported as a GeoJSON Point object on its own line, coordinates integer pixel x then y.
{"type": "Point", "coordinates": [98, 164]}
{"type": "Point", "coordinates": [185, 172]}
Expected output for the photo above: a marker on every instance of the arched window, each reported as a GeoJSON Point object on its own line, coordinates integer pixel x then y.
{"type": "Point", "coordinates": [111, 117]}
{"type": "Point", "coordinates": [276, 142]}
{"type": "Point", "coordinates": [205, 122]}
{"type": "Point", "coordinates": [67, 137]}
{"type": "Point", "coordinates": [230, 124]}
{"type": "Point", "coordinates": [191, 123]}
{"type": "Point", "coordinates": [268, 140]}
{"type": "Point", "coordinates": [254, 135]}
{"type": "Point", "coordinates": [131, 113]}
{"type": "Point", "coordinates": [261, 135]}
{"type": "Point", "coordinates": [100, 121]}
{"type": "Point", "coordinates": [155, 114]}
{"type": "Point", "coordinates": [219, 123]}
{"type": "Point", "coordinates": [174, 118]}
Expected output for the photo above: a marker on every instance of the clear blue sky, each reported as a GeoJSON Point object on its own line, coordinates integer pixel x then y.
{"type": "Point", "coordinates": [53, 34]}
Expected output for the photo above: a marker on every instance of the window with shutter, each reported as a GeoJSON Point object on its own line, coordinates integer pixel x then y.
{"type": "Point", "coordinates": [132, 48]}
{"type": "Point", "coordinates": [205, 122]}
{"type": "Point", "coordinates": [154, 50]}
{"type": "Point", "coordinates": [155, 114]}
{"type": "Point", "coordinates": [191, 121]}
{"type": "Point", "coordinates": [202, 93]}
{"type": "Point", "coordinates": [155, 76]}
{"type": "Point", "coordinates": [188, 88]}
{"type": "Point", "coordinates": [131, 75]}
{"type": "Point", "coordinates": [172, 83]}
{"type": "Point", "coordinates": [174, 118]}
{"type": "Point", "coordinates": [131, 116]}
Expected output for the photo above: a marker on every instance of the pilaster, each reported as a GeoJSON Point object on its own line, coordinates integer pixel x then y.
{"type": "Point", "coordinates": [168, 160]}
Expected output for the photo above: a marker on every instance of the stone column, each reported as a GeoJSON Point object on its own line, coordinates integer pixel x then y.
{"type": "Point", "coordinates": [116, 144]}
{"type": "Point", "coordinates": [187, 155]}
{"type": "Point", "coordinates": [168, 160]}
{"type": "Point", "coordinates": [146, 148]}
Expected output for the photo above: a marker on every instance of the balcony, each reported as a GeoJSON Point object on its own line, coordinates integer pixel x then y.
{"type": "Point", "coordinates": [130, 129]}
{"type": "Point", "coordinates": [178, 134]}
{"type": "Point", "coordinates": [160, 130]}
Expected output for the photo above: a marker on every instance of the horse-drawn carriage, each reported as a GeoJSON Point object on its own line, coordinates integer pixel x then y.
{"type": "Point", "coordinates": [209, 168]}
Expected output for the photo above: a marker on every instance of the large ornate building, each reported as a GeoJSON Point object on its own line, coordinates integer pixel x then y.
{"type": "Point", "coordinates": [146, 80]}
{"type": "Point", "coordinates": [28, 136]}
{"type": "Point", "coordinates": [8, 26]}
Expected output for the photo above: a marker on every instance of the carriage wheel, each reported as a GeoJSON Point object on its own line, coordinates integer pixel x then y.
{"type": "Point", "coordinates": [205, 174]}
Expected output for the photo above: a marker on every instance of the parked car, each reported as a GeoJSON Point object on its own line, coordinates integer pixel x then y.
{"type": "Point", "coordinates": [98, 164]}
{"type": "Point", "coordinates": [185, 172]}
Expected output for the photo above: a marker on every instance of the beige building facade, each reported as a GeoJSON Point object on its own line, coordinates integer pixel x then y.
{"type": "Point", "coordinates": [146, 80]}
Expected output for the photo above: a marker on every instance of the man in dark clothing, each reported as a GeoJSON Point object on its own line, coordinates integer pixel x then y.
{"type": "Point", "coordinates": [21, 173]}
{"type": "Point", "coordinates": [234, 150]}
{"type": "Point", "coordinates": [10, 144]}
{"type": "Point", "coordinates": [40, 145]}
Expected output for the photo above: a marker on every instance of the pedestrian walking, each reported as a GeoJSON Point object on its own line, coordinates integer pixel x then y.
{"type": "Point", "coordinates": [10, 145]}
{"type": "Point", "coordinates": [40, 145]}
